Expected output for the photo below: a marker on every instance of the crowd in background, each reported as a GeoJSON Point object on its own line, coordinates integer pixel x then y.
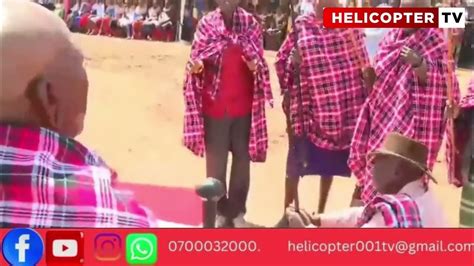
{"type": "Point", "coordinates": [131, 19]}
{"type": "Point", "coordinates": [160, 19]}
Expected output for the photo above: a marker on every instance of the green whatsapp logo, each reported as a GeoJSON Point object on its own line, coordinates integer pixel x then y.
{"type": "Point", "coordinates": [141, 249]}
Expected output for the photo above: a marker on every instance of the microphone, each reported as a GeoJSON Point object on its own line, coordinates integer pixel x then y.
{"type": "Point", "coordinates": [211, 191]}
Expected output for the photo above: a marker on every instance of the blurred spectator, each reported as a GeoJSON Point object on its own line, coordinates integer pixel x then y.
{"type": "Point", "coordinates": [126, 19]}
{"type": "Point", "coordinates": [168, 20]}
{"type": "Point", "coordinates": [141, 11]}
{"type": "Point", "coordinates": [151, 21]}
{"type": "Point", "coordinates": [104, 24]}
{"type": "Point", "coordinates": [75, 17]}
{"type": "Point", "coordinates": [84, 13]}
{"type": "Point", "coordinates": [59, 9]}
{"type": "Point", "coordinates": [306, 7]}
{"type": "Point", "coordinates": [97, 14]}
{"type": "Point", "coordinates": [49, 4]}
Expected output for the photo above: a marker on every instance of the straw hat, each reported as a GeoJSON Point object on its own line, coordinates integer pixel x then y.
{"type": "Point", "coordinates": [409, 150]}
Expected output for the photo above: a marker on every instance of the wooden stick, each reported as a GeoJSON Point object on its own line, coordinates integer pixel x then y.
{"type": "Point", "coordinates": [449, 94]}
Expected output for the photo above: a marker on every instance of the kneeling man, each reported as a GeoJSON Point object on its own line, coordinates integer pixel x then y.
{"type": "Point", "coordinates": [404, 199]}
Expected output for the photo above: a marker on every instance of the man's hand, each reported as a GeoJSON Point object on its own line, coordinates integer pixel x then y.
{"type": "Point", "coordinates": [411, 57]}
{"type": "Point", "coordinates": [196, 67]}
{"type": "Point", "coordinates": [369, 77]}
{"type": "Point", "coordinates": [252, 65]}
{"type": "Point", "coordinates": [452, 111]}
{"type": "Point", "coordinates": [295, 57]}
{"type": "Point", "coordinates": [301, 219]}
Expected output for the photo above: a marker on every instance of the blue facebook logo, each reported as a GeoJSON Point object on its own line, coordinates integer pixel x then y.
{"type": "Point", "coordinates": [22, 247]}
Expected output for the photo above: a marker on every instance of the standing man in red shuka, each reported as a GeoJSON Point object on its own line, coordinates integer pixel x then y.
{"type": "Point", "coordinates": [226, 87]}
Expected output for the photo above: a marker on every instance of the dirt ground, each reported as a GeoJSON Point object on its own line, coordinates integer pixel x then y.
{"type": "Point", "coordinates": [135, 121]}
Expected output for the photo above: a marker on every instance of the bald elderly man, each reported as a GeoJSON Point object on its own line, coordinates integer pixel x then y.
{"type": "Point", "coordinates": [48, 179]}
{"type": "Point", "coordinates": [409, 97]}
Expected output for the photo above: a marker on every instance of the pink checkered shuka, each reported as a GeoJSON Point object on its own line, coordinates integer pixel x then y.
{"type": "Point", "coordinates": [398, 211]}
{"type": "Point", "coordinates": [48, 180]}
{"type": "Point", "coordinates": [399, 103]}
{"type": "Point", "coordinates": [332, 87]}
{"type": "Point", "coordinates": [209, 42]}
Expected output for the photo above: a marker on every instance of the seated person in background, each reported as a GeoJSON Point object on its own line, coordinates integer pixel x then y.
{"type": "Point", "coordinates": [151, 21]}
{"type": "Point", "coordinates": [405, 201]}
{"type": "Point", "coordinates": [139, 17]}
{"type": "Point", "coordinates": [126, 19]}
{"type": "Point", "coordinates": [98, 13]}
{"type": "Point", "coordinates": [78, 11]}
{"type": "Point", "coordinates": [47, 178]}
{"type": "Point", "coordinates": [86, 11]}
{"type": "Point", "coordinates": [104, 24]}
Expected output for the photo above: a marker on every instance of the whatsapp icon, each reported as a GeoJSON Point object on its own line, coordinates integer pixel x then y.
{"type": "Point", "coordinates": [141, 249]}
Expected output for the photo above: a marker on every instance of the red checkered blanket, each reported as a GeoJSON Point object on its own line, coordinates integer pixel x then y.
{"type": "Point", "coordinates": [398, 211]}
{"type": "Point", "coordinates": [48, 180]}
{"type": "Point", "coordinates": [399, 103]}
{"type": "Point", "coordinates": [332, 87]}
{"type": "Point", "coordinates": [210, 40]}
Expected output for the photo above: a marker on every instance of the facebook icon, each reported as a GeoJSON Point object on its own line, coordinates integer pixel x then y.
{"type": "Point", "coordinates": [22, 247]}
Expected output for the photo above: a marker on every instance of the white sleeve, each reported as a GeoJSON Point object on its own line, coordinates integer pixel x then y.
{"type": "Point", "coordinates": [376, 222]}
{"type": "Point", "coordinates": [344, 218]}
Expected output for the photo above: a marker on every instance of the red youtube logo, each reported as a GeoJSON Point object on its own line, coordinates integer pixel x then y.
{"type": "Point", "coordinates": [64, 248]}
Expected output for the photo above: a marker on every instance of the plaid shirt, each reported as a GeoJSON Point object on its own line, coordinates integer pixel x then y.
{"type": "Point", "coordinates": [48, 180]}
{"type": "Point", "coordinates": [332, 87]}
{"type": "Point", "coordinates": [399, 103]}
{"type": "Point", "coordinates": [210, 40]}
{"type": "Point", "coordinates": [398, 211]}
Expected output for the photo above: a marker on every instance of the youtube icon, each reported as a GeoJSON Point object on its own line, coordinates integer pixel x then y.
{"type": "Point", "coordinates": [64, 248]}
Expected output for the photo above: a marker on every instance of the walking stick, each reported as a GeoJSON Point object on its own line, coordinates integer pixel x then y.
{"type": "Point", "coordinates": [296, 77]}
{"type": "Point", "coordinates": [211, 191]}
{"type": "Point", "coordinates": [450, 108]}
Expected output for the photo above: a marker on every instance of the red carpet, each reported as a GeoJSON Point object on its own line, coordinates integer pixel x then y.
{"type": "Point", "coordinates": [177, 205]}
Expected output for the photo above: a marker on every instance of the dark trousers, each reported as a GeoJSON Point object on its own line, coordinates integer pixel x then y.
{"type": "Point", "coordinates": [224, 135]}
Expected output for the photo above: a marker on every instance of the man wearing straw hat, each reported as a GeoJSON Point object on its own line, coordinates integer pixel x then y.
{"type": "Point", "coordinates": [47, 178]}
{"type": "Point", "coordinates": [323, 76]}
{"type": "Point", "coordinates": [404, 199]}
{"type": "Point", "coordinates": [414, 81]}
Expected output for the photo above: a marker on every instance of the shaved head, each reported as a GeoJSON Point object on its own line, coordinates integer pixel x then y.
{"type": "Point", "coordinates": [43, 79]}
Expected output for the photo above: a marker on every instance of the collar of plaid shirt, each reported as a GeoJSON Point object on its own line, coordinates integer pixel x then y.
{"type": "Point", "coordinates": [399, 103]}
{"type": "Point", "coordinates": [331, 84]}
{"type": "Point", "coordinates": [52, 181]}
{"type": "Point", "coordinates": [399, 210]}
{"type": "Point", "coordinates": [210, 40]}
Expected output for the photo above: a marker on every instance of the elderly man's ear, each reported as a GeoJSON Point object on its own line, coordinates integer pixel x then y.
{"type": "Point", "coordinates": [44, 103]}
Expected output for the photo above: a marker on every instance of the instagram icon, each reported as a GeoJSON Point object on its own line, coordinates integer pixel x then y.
{"type": "Point", "coordinates": [108, 247]}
